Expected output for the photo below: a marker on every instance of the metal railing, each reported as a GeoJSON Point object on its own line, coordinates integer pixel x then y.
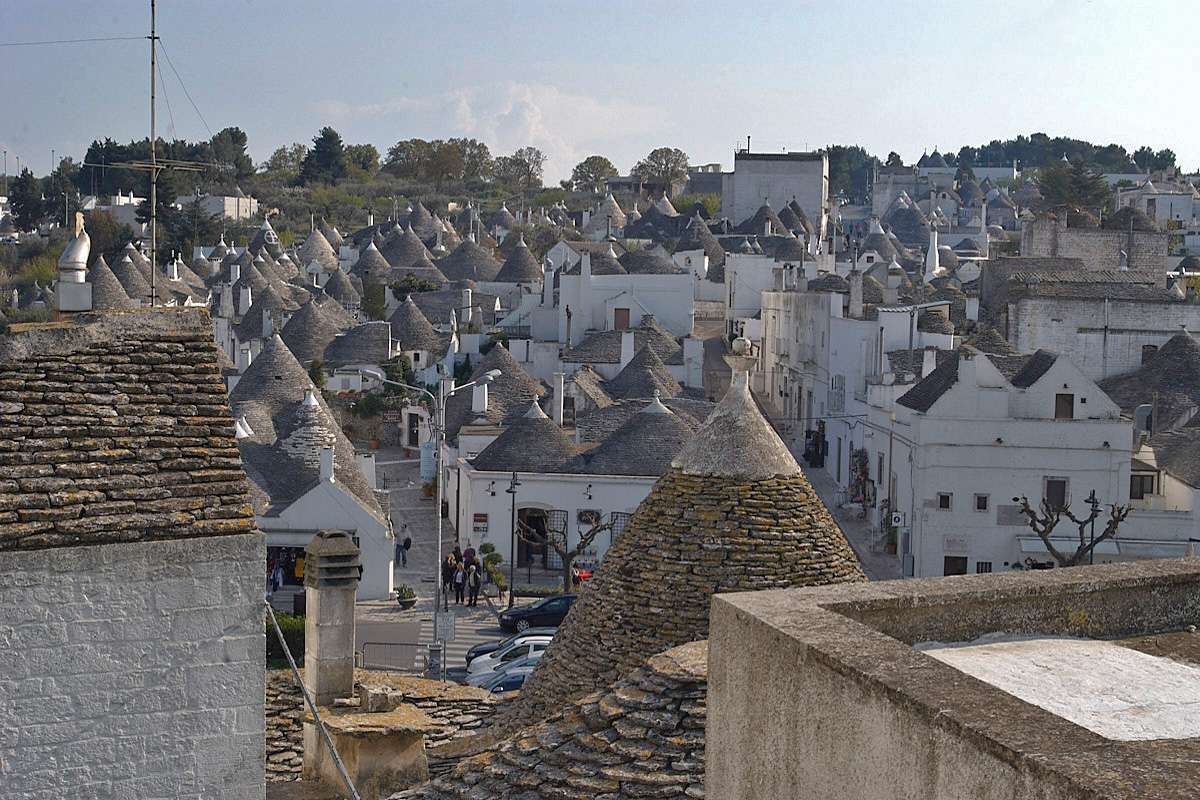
{"type": "Point", "coordinates": [393, 656]}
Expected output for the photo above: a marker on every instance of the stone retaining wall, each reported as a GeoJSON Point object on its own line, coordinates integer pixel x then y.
{"type": "Point", "coordinates": [458, 710]}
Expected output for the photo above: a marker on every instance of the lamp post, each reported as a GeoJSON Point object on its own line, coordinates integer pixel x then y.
{"type": "Point", "coordinates": [511, 491]}
{"type": "Point", "coordinates": [439, 434]}
{"type": "Point", "coordinates": [1093, 501]}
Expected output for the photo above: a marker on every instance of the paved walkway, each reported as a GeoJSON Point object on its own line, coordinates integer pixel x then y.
{"type": "Point", "coordinates": [879, 565]}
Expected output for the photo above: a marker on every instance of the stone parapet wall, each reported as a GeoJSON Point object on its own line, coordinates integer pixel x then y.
{"type": "Point", "coordinates": [133, 670]}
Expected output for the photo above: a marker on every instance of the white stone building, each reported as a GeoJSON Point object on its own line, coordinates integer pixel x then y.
{"type": "Point", "coordinates": [777, 178]}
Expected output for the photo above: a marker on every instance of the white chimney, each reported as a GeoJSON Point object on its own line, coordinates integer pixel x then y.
{"type": "Point", "coordinates": [467, 309]}
{"type": "Point", "coordinates": [547, 283]}
{"type": "Point", "coordinates": [627, 344]}
{"type": "Point", "coordinates": [268, 324]}
{"type": "Point", "coordinates": [370, 219]}
{"type": "Point", "coordinates": [326, 464]}
{"type": "Point", "coordinates": [245, 300]}
{"type": "Point", "coordinates": [928, 360]}
{"type": "Point", "coordinates": [235, 272]}
{"type": "Point", "coordinates": [479, 398]}
{"type": "Point", "coordinates": [585, 266]}
{"type": "Point", "coordinates": [559, 384]}
{"type": "Point", "coordinates": [856, 294]}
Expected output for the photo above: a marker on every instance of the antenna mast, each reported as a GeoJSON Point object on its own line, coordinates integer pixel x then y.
{"type": "Point", "coordinates": [153, 164]}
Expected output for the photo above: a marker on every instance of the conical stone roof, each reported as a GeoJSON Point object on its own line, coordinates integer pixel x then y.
{"type": "Point", "coordinates": [520, 266]}
{"type": "Point", "coordinates": [509, 395]}
{"type": "Point", "coordinates": [405, 249]}
{"type": "Point", "coordinates": [107, 291]}
{"type": "Point", "coordinates": [469, 262]}
{"type": "Point", "coordinates": [531, 443]}
{"type": "Point", "coordinates": [641, 737]}
{"type": "Point", "coordinates": [735, 512]}
{"type": "Point", "coordinates": [317, 248]}
{"type": "Point", "coordinates": [130, 277]}
{"type": "Point", "coordinates": [371, 265]}
{"type": "Point", "coordinates": [502, 218]}
{"type": "Point", "coordinates": [412, 330]}
{"type": "Point", "coordinates": [421, 221]}
{"type": "Point", "coordinates": [308, 333]}
{"type": "Point", "coordinates": [332, 235]}
{"type": "Point", "coordinates": [341, 289]}
{"type": "Point", "coordinates": [645, 445]}
{"type": "Point", "coordinates": [644, 376]}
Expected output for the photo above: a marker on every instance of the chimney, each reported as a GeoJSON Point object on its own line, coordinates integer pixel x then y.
{"type": "Point", "coordinates": [370, 219]}
{"type": "Point", "coordinates": [268, 324]}
{"type": "Point", "coordinates": [326, 465]}
{"type": "Point", "coordinates": [235, 272]}
{"type": "Point", "coordinates": [780, 278]}
{"type": "Point", "coordinates": [627, 345]}
{"type": "Point", "coordinates": [856, 294]}
{"type": "Point", "coordinates": [928, 360]}
{"type": "Point", "coordinates": [932, 258]}
{"type": "Point", "coordinates": [173, 268]}
{"type": "Point", "coordinates": [547, 283]}
{"type": "Point", "coordinates": [585, 266]}
{"type": "Point", "coordinates": [467, 308]}
{"type": "Point", "coordinates": [766, 227]}
{"type": "Point", "coordinates": [331, 565]}
{"type": "Point", "coordinates": [245, 300]}
{"type": "Point", "coordinates": [559, 388]}
{"type": "Point", "coordinates": [479, 399]}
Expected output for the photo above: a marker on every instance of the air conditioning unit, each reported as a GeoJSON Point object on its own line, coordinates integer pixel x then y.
{"type": "Point", "coordinates": [897, 519]}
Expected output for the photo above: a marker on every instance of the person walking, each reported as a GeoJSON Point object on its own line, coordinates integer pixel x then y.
{"type": "Point", "coordinates": [458, 554]}
{"type": "Point", "coordinates": [473, 583]}
{"type": "Point", "coordinates": [449, 566]}
{"type": "Point", "coordinates": [460, 583]}
{"type": "Point", "coordinates": [405, 546]}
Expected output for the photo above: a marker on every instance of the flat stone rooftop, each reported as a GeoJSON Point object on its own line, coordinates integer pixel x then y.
{"type": "Point", "coordinates": [1067, 683]}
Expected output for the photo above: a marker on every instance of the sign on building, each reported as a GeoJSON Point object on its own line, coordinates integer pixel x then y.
{"type": "Point", "coordinates": [479, 523]}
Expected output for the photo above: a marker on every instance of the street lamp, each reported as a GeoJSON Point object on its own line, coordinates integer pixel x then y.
{"type": "Point", "coordinates": [439, 432]}
{"type": "Point", "coordinates": [512, 553]}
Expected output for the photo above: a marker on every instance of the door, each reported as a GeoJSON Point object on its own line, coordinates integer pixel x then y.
{"type": "Point", "coordinates": [838, 474]}
{"type": "Point", "coordinates": [621, 319]}
{"type": "Point", "coordinates": [414, 430]}
{"type": "Point", "coordinates": [954, 565]}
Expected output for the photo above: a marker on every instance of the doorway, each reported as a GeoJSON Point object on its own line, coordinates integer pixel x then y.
{"type": "Point", "coordinates": [414, 430]}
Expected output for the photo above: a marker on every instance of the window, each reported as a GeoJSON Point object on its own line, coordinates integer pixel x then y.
{"type": "Point", "coordinates": [945, 500]}
{"type": "Point", "coordinates": [620, 319]}
{"type": "Point", "coordinates": [983, 567]}
{"type": "Point", "coordinates": [1056, 492]}
{"type": "Point", "coordinates": [1148, 351]}
{"type": "Point", "coordinates": [879, 473]}
{"type": "Point", "coordinates": [1064, 406]}
{"type": "Point", "coordinates": [1141, 485]}
{"type": "Point", "coordinates": [981, 502]}
{"type": "Point", "coordinates": [515, 653]}
{"type": "Point", "coordinates": [416, 359]}
{"type": "Point", "coordinates": [954, 565]}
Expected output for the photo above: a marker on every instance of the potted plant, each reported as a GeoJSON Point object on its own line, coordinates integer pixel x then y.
{"type": "Point", "coordinates": [406, 596]}
{"type": "Point", "coordinates": [890, 544]}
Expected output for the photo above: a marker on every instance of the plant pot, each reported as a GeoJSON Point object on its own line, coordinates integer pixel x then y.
{"type": "Point", "coordinates": [406, 603]}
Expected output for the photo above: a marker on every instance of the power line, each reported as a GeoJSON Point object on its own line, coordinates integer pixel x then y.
{"type": "Point", "coordinates": [188, 94]}
{"type": "Point", "coordinates": [167, 97]}
{"type": "Point", "coordinates": [73, 41]}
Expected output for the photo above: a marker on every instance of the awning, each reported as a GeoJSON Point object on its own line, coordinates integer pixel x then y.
{"type": "Point", "coordinates": [1126, 548]}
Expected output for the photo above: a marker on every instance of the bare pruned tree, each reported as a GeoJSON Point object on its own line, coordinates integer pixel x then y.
{"type": "Point", "coordinates": [1046, 517]}
{"type": "Point", "coordinates": [557, 541]}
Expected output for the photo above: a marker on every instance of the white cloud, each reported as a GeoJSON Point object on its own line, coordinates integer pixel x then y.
{"type": "Point", "coordinates": [566, 126]}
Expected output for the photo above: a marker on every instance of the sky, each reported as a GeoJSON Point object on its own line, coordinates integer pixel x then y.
{"type": "Point", "coordinates": [615, 78]}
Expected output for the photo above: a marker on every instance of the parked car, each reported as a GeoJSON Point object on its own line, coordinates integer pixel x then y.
{"type": "Point", "coordinates": [483, 648]}
{"type": "Point", "coordinates": [507, 682]}
{"type": "Point", "coordinates": [520, 649]}
{"type": "Point", "coordinates": [521, 664]}
{"type": "Point", "coordinates": [548, 612]}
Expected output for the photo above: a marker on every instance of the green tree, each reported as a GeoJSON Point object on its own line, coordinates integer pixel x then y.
{"type": "Point", "coordinates": [316, 373]}
{"type": "Point", "coordinates": [665, 165]}
{"type": "Point", "coordinates": [374, 303]}
{"type": "Point", "coordinates": [286, 161]}
{"type": "Point", "coordinates": [711, 203]}
{"type": "Point", "coordinates": [25, 196]}
{"type": "Point", "coordinates": [108, 238]}
{"type": "Point", "coordinates": [477, 158]}
{"type": "Point", "coordinates": [412, 284]}
{"type": "Point", "coordinates": [61, 198]}
{"type": "Point", "coordinates": [364, 158]}
{"type": "Point", "coordinates": [1144, 157]}
{"type": "Point", "coordinates": [445, 162]}
{"type": "Point", "coordinates": [326, 161]}
{"type": "Point", "coordinates": [592, 174]}
{"type": "Point", "coordinates": [523, 169]}
{"type": "Point", "coordinates": [229, 148]}
{"type": "Point", "coordinates": [850, 171]}
{"type": "Point", "coordinates": [1075, 185]}
{"type": "Point", "coordinates": [894, 160]}
{"type": "Point", "coordinates": [1163, 159]}
{"type": "Point", "coordinates": [407, 158]}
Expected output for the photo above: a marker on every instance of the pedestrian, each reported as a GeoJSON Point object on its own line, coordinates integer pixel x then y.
{"type": "Point", "coordinates": [473, 582]}
{"type": "Point", "coordinates": [468, 554]}
{"type": "Point", "coordinates": [460, 583]}
{"type": "Point", "coordinates": [458, 554]}
{"type": "Point", "coordinates": [448, 569]}
{"type": "Point", "coordinates": [405, 546]}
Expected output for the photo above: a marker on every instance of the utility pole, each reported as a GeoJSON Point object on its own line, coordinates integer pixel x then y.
{"type": "Point", "coordinates": [6, 173]}
{"type": "Point", "coordinates": [153, 165]}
